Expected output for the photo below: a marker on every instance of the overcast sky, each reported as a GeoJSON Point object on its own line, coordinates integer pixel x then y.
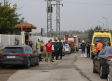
{"type": "Point", "coordinates": [74, 15]}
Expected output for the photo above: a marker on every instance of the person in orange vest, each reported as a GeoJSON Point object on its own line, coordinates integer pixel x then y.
{"type": "Point", "coordinates": [96, 47]}
{"type": "Point", "coordinates": [99, 46]}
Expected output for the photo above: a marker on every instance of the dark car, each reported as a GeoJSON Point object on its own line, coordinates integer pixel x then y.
{"type": "Point", "coordinates": [18, 55]}
{"type": "Point", "coordinates": [102, 61]}
{"type": "Point", "coordinates": [109, 77]}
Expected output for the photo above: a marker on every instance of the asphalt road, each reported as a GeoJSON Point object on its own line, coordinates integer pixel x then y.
{"type": "Point", "coordinates": [71, 68]}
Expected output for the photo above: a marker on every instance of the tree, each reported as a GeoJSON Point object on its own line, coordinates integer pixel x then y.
{"type": "Point", "coordinates": [8, 19]}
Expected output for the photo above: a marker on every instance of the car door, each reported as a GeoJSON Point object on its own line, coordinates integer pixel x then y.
{"type": "Point", "coordinates": [31, 54]}
{"type": "Point", "coordinates": [96, 60]}
{"type": "Point", "coordinates": [100, 58]}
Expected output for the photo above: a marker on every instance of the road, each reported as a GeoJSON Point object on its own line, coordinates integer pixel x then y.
{"type": "Point", "coordinates": [71, 68]}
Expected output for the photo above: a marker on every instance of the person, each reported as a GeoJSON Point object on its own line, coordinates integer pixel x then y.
{"type": "Point", "coordinates": [96, 47]}
{"type": "Point", "coordinates": [60, 48]}
{"type": "Point", "coordinates": [88, 49]}
{"type": "Point", "coordinates": [30, 44]}
{"type": "Point", "coordinates": [75, 47]}
{"type": "Point", "coordinates": [37, 45]}
{"type": "Point", "coordinates": [51, 49]}
{"type": "Point", "coordinates": [48, 51]}
{"type": "Point", "coordinates": [83, 45]}
{"type": "Point", "coordinates": [41, 50]}
{"type": "Point", "coordinates": [56, 47]}
{"type": "Point", "coordinates": [99, 46]}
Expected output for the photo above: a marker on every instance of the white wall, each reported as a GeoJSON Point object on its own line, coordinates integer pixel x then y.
{"type": "Point", "coordinates": [6, 40]}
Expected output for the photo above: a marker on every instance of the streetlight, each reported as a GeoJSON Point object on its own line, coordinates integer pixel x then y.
{"type": "Point", "coordinates": [102, 23]}
{"type": "Point", "coordinates": [106, 20]}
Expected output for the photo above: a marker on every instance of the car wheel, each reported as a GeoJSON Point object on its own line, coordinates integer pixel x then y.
{"type": "Point", "coordinates": [28, 63]}
{"type": "Point", "coordinates": [101, 72]}
{"type": "Point", "coordinates": [37, 62]}
{"type": "Point", "coordinates": [94, 70]}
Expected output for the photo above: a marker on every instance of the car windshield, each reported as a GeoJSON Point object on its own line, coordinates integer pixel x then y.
{"type": "Point", "coordinates": [12, 50]}
{"type": "Point", "coordinates": [102, 39]}
{"type": "Point", "coordinates": [66, 45]}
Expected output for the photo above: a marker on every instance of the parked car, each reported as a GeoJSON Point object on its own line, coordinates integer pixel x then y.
{"type": "Point", "coordinates": [18, 55]}
{"type": "Point", "coordinates": [109, 77]}
{"type": "Point", "coordinates": [53, 52]}
{"type": "Point", "coordinates": [79, 45]}
{"type": "Point", "coordinates": [67, 48]}
{"type": "Point", "coordinates": [102, 61]}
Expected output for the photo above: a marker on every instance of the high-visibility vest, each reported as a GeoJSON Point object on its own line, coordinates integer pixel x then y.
{"type": "Point", "coordinates": [99, 46]}
{"type": "Point", "coordinates": [37, 44]}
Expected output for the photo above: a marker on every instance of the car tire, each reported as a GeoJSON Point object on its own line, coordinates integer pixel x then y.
{"type": "Point", "coordinates": [94, 70]}
{"type": "Point", "coordinates": [101, 73]}
{"type": "Point", "coordinates": [37, 62]}
{"type": "Point", "coordinates": [28, 63]}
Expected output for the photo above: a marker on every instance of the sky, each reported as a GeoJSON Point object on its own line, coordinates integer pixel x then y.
{"type": "Point", "coordinates": [74, 14]}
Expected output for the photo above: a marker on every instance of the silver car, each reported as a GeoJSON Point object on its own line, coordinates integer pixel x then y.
{"type": "Point", "coordinates": [67, 48]}
{"type": "Point", "coordinates": [109, 77]}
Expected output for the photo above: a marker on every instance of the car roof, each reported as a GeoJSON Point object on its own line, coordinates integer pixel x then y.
{"type": "Point", "coordinates": [17, 46]}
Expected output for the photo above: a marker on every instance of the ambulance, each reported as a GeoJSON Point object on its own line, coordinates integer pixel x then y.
{"type": "Point", "coordinates": [102, 36]}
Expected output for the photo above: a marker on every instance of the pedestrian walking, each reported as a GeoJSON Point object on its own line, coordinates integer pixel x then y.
{"type": "Point", "coordinates": [88, 49]}
{"type": "Point", "coordinates": [41, 50]}
{"type": "Point", "coordinates": [99, 46]}
{"type": "Point", "coordinates": [60, 48]}
{"type": "Point", "coordinates": [83, 45]}
{"type": "Point", "coordinates": [48, 51]}
{"type": "Point", "coordinates": [37, 45]}
{"type": "Point", "coordinates": [56, 47]}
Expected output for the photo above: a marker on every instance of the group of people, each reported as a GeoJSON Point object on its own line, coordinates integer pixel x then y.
{"type": "Point", "coordinates": [83, 46]}
{"type": "Point", "coordinates": [41, 49]}
{"type": "Point", "coordinates": [98, 47]}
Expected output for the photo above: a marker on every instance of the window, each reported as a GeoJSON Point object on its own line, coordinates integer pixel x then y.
{"type": "Point", "coordinates": [26, 49]}
{"type": "Point", "coordinates": [13, 50]}
{"type": "Point", "coordinates": [102, 39]}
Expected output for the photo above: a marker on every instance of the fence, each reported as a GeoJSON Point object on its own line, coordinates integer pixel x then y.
{"type": "Point", "coordinates": [6, 40]}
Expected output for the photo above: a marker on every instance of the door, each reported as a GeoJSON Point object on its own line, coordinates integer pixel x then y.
{"type": "Point", "coordinates": [100, 58]}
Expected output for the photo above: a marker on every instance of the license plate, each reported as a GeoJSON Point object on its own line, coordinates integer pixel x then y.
{"type": "Point", "coordinates": [11, 57]}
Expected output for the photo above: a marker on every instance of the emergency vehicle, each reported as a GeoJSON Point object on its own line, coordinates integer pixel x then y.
{"type": "Point", "coordinates": [102, 36]}
{"type": "Point", "coordinates": [70, 39]}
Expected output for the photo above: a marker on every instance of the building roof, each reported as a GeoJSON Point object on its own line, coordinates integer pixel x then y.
{"type": "Point", "coordinates": [25, 25]}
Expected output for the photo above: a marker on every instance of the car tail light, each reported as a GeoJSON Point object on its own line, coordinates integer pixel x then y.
{"type": "Point", "coordinates": [21, 54]}
{"type": "Point", "coordinates": [2, 55]}
{"type": "Point", "coordinates": [108, 58]}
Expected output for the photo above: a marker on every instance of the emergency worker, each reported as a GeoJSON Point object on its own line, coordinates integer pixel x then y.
{"type": "Point", "coordinates": [37, 45]}
{"type": "Point", "coordinates": [99, 46]}
{"type": "Point", "coordinates": [75, 46]}
{"type": "Point", "coordinates": [96, 47]}
{"type": "Point", "coordinates": [60, 48]}
{"type": "Point", "coordinates": [88, 49]}
{"type": "Point", "coordinates": [56, 47]}
{"type": "Point", "coordinates": [83, 45]}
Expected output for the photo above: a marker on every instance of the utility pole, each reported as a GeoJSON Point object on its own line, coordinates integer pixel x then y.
{"type": "Point", "coordinates": [49, 18]}
{"type": "Point", "coordinates": [58, 16]}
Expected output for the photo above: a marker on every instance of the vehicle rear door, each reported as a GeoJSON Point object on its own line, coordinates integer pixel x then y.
{"type": "Point", "coordinates": [10, 53]}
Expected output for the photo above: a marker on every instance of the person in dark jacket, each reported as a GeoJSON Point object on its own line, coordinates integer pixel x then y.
{"type": "Point", "coordinates": [88, 49]}
{"type": "Point", "coordinates": [56, 47]}
{"type": "Point", "coordinates": [30, 44]}
{"type": "Point", "coordinates": [83, 45]}
{"type": "Point", "coordinates": [60, 48]}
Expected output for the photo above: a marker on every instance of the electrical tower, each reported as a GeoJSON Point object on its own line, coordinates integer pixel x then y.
{"type": "Point", "coordinates": [49, 18]}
